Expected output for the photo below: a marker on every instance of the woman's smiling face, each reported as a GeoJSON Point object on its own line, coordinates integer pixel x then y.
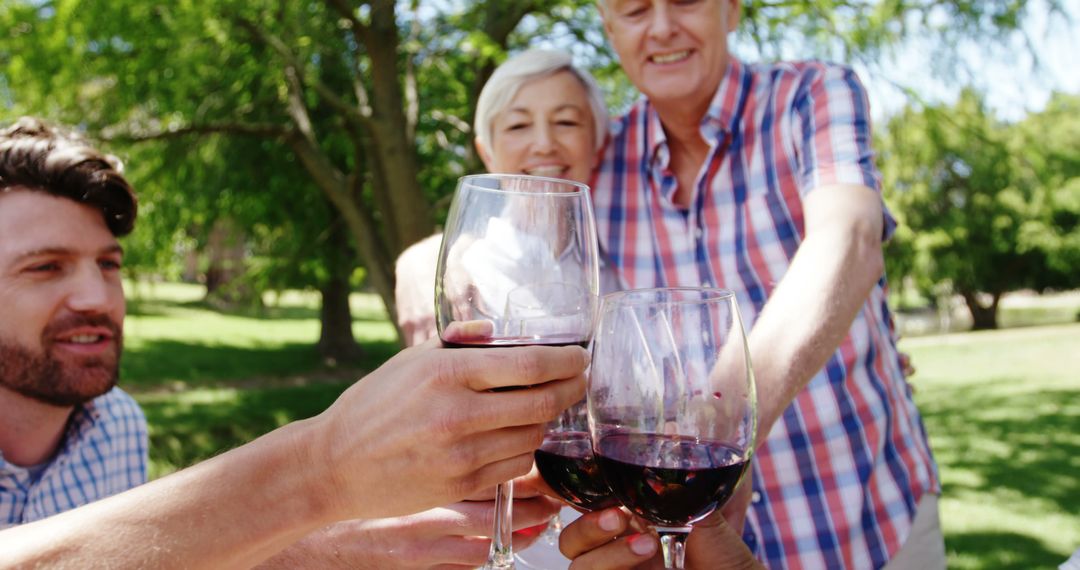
{"type": "Point", "coordinates": [547, 130]}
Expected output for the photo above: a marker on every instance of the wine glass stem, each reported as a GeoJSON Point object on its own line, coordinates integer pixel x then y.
{"type": "Point", "coordinates": [673, 542]}
{"type": "Point", "coordinates": [501, 555]}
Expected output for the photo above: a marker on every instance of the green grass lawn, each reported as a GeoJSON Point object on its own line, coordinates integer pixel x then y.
{"type": "Point", "coordinates": [1002, 408]}
{"type": "Point", "coordinates": [1003, 412]}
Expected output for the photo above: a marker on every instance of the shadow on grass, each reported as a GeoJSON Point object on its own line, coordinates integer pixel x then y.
{"type": "Point", "coordinates": [160, 308]}
{"type": "Point", "coordinates": [1023, 442]}
{"type": "Point", "coordinates": [998, 550]}
{"type": "Point", "coordinates": [191, 427]}
{"type": "Point", "coordinates": [159, 362]}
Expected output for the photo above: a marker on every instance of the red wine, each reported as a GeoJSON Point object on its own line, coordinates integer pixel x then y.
{"type": "Point", "coordinates": [669, 480]}
{"type": "Point", "coordinates": [566, 463]}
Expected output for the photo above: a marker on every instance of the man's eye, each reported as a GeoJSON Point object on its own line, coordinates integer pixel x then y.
{"type": "Point", "coordinates": [517, 126]}
{"type": "Point", "coordinates": [568, 123]}
{"type": "Point", "coordinates": [110, 265]}
{"type": "Point", "coordinates": [44, 267]}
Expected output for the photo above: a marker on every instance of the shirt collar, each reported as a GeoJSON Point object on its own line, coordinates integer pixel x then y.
{"type": "Point", "coordinates": [726, 106]}
{"type": "Point", "coordinates": [721, 118]}
{"type": "Point", "coordinates": [82, 418]}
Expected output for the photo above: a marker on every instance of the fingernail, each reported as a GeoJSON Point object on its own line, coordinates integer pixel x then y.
{"type": "Point", "coordinates": [608, 521]}
{"type": "Point", "coordinates": [642, 545]}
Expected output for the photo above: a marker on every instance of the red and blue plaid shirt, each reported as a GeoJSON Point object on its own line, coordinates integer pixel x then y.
{"type": "Point", "coordinates": [838, 479]}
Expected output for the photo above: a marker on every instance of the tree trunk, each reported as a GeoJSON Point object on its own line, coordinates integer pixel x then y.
{"type": "Point", "coordinates": [226, 287]}
{"type": "Point", "coordinates": [982, 317]}
{"type": "Point", "coordinates": [336, 341]}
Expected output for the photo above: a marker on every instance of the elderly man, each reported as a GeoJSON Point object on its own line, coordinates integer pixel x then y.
{"type": "Point", "coordinates": [69, 439]}
{"type": "Point", "coordinates": [760, 179]}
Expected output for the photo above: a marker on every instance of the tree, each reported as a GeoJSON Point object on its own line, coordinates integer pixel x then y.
{"type": "Point", "coordinates": [1047, 145]}
{"type": "Point", "coordinates": [371, 100]}
{"type": "Point", "coordinates": [977, 218]}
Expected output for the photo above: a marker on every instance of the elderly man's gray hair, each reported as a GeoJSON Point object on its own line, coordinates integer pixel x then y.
{"type": "Point", "coordinates": [500, 90]}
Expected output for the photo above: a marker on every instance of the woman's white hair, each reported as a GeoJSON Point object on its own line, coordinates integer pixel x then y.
{"type": "Point", "coordinates": [503, 86]}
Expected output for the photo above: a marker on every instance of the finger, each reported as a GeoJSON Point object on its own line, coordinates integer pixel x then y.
{"type": "Point", "coordinates": [533, 485]}
{"type": "Point", "coordinates": [452, 551]}
{"type": "Point", "coordinates": [538, 405]}
{"type": "Point", "coordinates": [519, 366]}
{"type": "Point", "coordinates": [472, 518]}
{"type": "Point", "coordinates": [591, 531]}
{"type": "Point", "coordinates": [737, 506]}
{"type": "Point", "coordinates": [623, 553]}
{"type": "Point", "coordinates": [490, 475]}
{"type": "Point", "coordinates": [468, 331]}
{"type": "Point", "coordinates": [495, 445]}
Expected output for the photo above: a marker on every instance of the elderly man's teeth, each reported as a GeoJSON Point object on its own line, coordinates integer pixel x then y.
{"type": "Point", "coordinates": [546, 171]}
{"type": "Point", "coordinates": [671, 57]}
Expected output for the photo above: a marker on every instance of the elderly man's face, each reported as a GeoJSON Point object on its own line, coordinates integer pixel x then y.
{"type": "Point", "coordinates": [547, 130]}
{"type": "Point", "coordinates": [63, 303]}
{"type": "Point", "coordinates": [674, 51]}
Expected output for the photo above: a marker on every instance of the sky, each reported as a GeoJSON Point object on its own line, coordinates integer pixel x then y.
{"type": "Point", "coordinates": [1011, 81]}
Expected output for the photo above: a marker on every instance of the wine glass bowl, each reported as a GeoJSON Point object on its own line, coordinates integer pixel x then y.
{"type": "Point", "coordinates": [671, 405]}
{"type": "Point", "coordinates": [518, 266]}
{"type": "Point", "coordinates": [566, 462]}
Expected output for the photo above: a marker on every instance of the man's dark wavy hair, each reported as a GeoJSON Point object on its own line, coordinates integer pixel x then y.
{"type": "Point", "coordinates": [42, 158]}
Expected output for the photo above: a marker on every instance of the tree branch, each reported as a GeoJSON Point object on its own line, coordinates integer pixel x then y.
{"type": "Point", "coordinates": [351, 112]}
{"type": "Point", "coordinates": [135, 133]}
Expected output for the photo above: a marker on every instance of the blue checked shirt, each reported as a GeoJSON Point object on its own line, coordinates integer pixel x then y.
{"type": "Point", "coordinates": [103, 452]}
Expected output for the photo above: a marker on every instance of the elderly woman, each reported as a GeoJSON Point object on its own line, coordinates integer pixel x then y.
{"type": "Point", "coordinates": [538, 115]}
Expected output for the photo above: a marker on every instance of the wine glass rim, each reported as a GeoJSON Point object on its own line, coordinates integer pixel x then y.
{"type": "Point", "coordinates": [577, 187]}
{"type": "Point", "coordinates": [679, 296]}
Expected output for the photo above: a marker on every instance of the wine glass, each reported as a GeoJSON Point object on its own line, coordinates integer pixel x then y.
{"type": "Point", "coordinates": [511, 243]}
{"type": "Point", "coordinates": [672, 405]}
{"type": "Point", "coordinates": [564, 460]}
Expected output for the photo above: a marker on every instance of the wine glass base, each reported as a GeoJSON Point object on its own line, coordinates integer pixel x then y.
{"type": "Point", "coordinates": [500, 560]}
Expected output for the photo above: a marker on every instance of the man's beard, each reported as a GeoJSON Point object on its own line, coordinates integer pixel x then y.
{"type": "Point", "coordinates": [43, 377]}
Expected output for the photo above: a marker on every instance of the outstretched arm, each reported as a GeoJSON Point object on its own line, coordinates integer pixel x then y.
{"type": "Point", "coordinates": [423, 430]}
{"type": "Point", "coordinates": [812, 307]}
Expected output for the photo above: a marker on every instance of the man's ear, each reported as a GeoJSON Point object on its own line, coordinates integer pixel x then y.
{"type": "Point", "coordinates": [734, 15]}
{"type": "Point", "coordinates": [485, 155]}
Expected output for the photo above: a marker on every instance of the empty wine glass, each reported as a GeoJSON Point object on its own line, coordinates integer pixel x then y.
{"type": "Point", "coordinates": [672, 406]}
{"type": "Point", "coordinates": [518, 266]}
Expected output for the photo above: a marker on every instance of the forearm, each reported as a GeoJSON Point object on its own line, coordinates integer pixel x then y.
{"type": "Point", "coordinates": [810, 312]}
{"type": "Point", "coordinates": [231, 511]}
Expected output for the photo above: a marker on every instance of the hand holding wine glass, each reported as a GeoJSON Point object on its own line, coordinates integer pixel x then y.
{"type": "Point", "coordinates": [672, 405]}
{"type": "Point", "coordinates": [518, 266]}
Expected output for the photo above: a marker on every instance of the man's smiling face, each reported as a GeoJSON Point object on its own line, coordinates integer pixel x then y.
{"type": "Point", "coordinates": [61, 333]}
{"type": "Point", "coordinates": [674, 51]}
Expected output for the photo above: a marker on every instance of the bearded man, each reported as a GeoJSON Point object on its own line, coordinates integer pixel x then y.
{"type": "Point", "coordinates": [68, 435]}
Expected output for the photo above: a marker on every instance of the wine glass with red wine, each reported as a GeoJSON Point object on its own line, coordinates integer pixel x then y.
{"type": "Point", "coordinates": [672, 405]}
{"type": "Point", "coordinates": [565, 459]}
{"type": "Point", "coordinates": [516, 251]}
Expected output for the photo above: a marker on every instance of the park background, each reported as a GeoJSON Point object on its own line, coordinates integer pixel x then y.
{"type": "Point", "coordinates": [286, 151]}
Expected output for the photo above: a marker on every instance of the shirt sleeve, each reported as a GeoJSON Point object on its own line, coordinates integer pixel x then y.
{"type": "Point", "coordinates": [833, 133]}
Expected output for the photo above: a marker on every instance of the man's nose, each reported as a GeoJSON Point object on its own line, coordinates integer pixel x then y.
{"type": "Point", "coordinates": [90, 290]}
{"type": "Point", "coordinates": [661, 26]}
